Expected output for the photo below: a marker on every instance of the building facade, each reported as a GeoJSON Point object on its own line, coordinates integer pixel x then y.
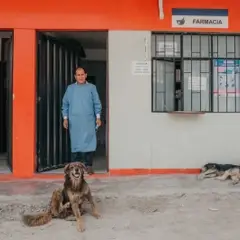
{"type": "Point", "coordinates": [150, 131]}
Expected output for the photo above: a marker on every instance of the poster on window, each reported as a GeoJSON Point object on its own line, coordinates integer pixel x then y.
{"type": "Point", "coordinates": [226, 77]}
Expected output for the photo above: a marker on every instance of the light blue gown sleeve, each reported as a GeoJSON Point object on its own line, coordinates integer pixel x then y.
{"type": "Point", "coordinates": [65, 104]}
{"type": "Point", "coordinates": [96, 102]}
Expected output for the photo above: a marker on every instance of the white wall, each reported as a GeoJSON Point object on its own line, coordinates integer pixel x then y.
{"type": "Point", "coordinates": [142, 139]}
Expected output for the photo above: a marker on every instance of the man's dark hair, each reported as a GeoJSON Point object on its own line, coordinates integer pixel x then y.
{"type": "Point", "coordinates": [78, 68]}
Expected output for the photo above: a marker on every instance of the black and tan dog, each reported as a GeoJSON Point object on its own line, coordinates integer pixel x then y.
{"type": "Point", "coordinates": [67, 202]}
{"type": "Point", "coordinates": [221, 172]}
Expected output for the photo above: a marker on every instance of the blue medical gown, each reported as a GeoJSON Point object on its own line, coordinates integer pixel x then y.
{"type": "Point", "coordinates": [81, 105]}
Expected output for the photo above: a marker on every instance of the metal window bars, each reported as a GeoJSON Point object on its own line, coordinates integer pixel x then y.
{"type": "Point", "coordinates": [195, 72]}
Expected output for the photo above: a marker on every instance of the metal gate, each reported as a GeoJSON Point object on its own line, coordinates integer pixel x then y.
{"type": "Point", "coordinates": [56, 62]}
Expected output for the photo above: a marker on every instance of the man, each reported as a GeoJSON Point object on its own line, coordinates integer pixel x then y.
{"type": "Point", "coordinates": [81, 110]}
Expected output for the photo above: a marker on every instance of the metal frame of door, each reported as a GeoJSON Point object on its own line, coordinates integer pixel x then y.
{"type": "Point", "coordinates": [56, 64]}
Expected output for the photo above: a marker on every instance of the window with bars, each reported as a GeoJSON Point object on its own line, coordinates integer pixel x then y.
{"type": "Point", "coordinates": [195, 72]}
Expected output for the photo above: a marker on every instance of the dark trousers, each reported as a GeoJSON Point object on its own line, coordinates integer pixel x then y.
{"type": "Point", "coordinates": [84, 157]}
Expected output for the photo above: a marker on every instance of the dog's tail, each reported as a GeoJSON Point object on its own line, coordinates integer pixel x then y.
{"type": "Point", "coordinates": [37, 219]}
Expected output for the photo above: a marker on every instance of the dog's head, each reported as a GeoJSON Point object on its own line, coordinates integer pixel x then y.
{"type": "Point", "coordinates": [208, 166]}
{"type": "Point", "coordinates": [75, 170]}
{"type": "Point", "coordinates": [209, 169]}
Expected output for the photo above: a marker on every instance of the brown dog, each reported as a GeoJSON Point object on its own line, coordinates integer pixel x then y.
{"type": "Point", "coordinates": [67, 201]}
{"type": "Point", "coordinates": [76, 191]}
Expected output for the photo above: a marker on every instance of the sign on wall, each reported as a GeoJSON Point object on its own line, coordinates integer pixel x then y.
{"type": "Point", "coordinates": [141, 68]}
{"type": "Point", "coordinates": [199, 18]}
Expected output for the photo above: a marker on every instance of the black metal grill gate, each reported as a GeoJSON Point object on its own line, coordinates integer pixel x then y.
{"type": "Point", "coordinates": [55, 70]}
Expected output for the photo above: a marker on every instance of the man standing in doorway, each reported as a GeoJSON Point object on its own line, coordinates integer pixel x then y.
{"type": "Point", "coordinates": [81, 110]}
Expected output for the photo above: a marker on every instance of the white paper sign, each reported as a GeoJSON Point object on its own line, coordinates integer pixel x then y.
{"type": "Point", "coordinates": [194, 83]}
{"type": "Point", "coordinates": [169, 48]}
{"type": "Point", "coordinates": [141, 68]}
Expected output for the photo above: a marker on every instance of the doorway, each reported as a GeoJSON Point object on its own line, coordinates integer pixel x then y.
{"type": "Point", "coordinates": [59, 53]}
{"type": "Point", "coordinates": [5, 102]}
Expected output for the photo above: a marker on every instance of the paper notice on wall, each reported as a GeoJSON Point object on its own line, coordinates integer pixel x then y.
{"type": "Point", "coordinates": [197, 83]}
{"type": "Point", "coordinates": [167, 49]}
{"type": "Point", "coordinates": [141, 68]}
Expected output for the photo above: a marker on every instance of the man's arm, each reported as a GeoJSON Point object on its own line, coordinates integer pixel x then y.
{"type": "Point", "coordinates": [97, 103]}
{"type": "Point", "coordinates": [65, 105]}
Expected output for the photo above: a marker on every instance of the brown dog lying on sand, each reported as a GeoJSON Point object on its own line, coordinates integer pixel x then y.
{"type": "Point", "coordinates": [67, 201]}
{"type": "Point", "coordinates": [221, 172]}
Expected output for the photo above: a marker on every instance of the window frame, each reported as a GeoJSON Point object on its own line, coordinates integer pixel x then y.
{"type": "Point", "coordinates": [212, 56]}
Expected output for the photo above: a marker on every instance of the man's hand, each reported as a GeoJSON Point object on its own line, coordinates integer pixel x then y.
{"type": "Point", "coordinates": [65, 123]}
{"type": "Point", "coordinates": [98, 122]}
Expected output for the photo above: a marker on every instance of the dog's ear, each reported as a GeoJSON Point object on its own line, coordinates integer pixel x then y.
{"type": "Point", "coordinates": [66, 168]}
{"type": "Point", "coordinates": [82, 165]}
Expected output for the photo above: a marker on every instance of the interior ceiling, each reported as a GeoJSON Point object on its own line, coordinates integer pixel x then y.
{"type": "Point", "coordinates": [89, 40]}
{"type": "Point", "coordinates": [5, 34]}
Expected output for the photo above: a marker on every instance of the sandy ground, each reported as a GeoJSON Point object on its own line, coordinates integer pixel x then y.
{"type": "Point", "coordinates": [151, 207]}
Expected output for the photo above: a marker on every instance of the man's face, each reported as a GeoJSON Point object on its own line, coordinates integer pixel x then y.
{"type": "Point", "coordinates": [80, 76]}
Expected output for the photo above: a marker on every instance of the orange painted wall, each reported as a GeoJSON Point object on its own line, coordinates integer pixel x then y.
{"type": "Point", "coordinates": [104, 14]}
{"type": "Point", "coordinates": [27, 16]}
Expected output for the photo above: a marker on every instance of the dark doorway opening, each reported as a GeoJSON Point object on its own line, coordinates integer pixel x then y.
{"type": "Point", "coordinates": [178, 86]}
{"type": "Point", "coordinates": [59, 53]}
{"type": "Point", "coordinates": [5, 102]}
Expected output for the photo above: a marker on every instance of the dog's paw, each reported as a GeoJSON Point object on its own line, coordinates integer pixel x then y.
{"type": "Point", "coordinates": [80, 226]}
{"type": "Point", "coordinates": [234, 183]}
{"type": "Point", "coordinates": [96, 215]}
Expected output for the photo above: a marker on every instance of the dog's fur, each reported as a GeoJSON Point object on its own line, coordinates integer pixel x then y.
{"type": "Point", "coordinates": [221, 172]}
{"type": "Point", "coordinates": [56, 209]}
{"type": "Point", "coordinates": [67, 201]}
{"type": "Point", "coordinates": [76, 191]}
